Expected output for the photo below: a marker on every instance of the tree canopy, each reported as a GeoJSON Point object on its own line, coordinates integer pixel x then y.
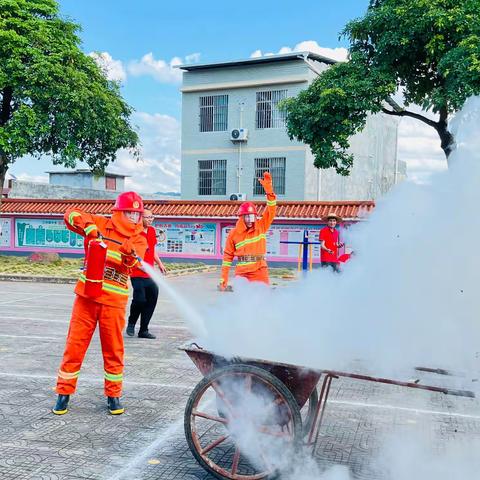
{"type": "Point", "coordinates": [54, 99]}
{"type": "Point", "coordinates": [428, 50]}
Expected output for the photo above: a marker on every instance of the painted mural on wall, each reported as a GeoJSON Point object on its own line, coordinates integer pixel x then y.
{"type": "Point", "coordinates": [285, 233]}
{"type": "Point", "coordinates": [190, 238]}
{"type": "Point", "coordinates": [45, 233]}
{"type": "Point", "coordinates": [5, 231]}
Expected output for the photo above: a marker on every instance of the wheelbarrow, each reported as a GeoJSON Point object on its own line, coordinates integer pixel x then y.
{"type": "Point", "coordinates": [244, 407]}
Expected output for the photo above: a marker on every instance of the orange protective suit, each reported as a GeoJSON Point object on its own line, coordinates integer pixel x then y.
{"type": "Point", "coordinates": [249, 245]}
{"type": "Point", "coordinates": [108, 310]}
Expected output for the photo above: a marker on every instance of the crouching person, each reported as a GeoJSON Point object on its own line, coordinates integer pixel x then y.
{"type": "Point", "coordinates": [102, 299]}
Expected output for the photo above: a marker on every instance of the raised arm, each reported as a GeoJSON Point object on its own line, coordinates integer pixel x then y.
{"type": "Point", "coordinates": [269, 214]}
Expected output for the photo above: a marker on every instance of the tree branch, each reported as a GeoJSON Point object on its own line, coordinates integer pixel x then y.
{"type": "Point", "coordinates": [406, 113]}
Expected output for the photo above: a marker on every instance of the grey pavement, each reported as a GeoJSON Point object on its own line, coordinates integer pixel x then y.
{"type": "Point", "coordinates": [148, 442]}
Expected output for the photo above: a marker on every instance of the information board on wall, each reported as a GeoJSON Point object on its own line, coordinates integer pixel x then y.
{"type": "Point", "coordinates": [45, 233]}
{"type": "Point", "coordinates": [5, 231]}
{"type": "Point", "coordinates": [186, 238]}
{"type": "Point", "coordinates": [285, 233]}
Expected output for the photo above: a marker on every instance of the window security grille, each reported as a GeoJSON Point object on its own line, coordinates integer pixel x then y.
{"type": "Point", "coordinates": [214, 113]}
{"type": "Point", "coordinates": [212, 177]}
{"type": "Point", "coordinates": [276, 167]}
{"type": "Point", "coordinates": [268, 115]}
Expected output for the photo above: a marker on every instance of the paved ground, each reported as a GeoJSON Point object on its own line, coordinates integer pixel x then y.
{"type": "Point", "coordinates": [147, 442]}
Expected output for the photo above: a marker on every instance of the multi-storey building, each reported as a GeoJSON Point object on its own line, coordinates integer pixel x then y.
{"type": "Point", "coordinates": [233, 130]}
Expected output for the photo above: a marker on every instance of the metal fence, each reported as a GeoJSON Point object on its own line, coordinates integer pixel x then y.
{"type": "Point", "coordinates": [212, 177]}
{"type": "Point", "coordinates": [276, 167]}
{"type": "Point", "coordinates": [267, 113]}
{"type": "Point", "coordinates": [214, 113]}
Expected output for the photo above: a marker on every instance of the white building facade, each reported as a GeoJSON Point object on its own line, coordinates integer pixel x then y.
{"type": "Point", "coordinates": [233, 130]}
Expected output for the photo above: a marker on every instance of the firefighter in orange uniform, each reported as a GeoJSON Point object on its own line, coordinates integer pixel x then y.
{"type": "Point", "coordinates": [107, 306]}
{"type": "Point", "coordinates": [248, 240]}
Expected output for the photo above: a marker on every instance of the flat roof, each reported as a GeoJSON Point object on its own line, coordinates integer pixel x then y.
{"type": "Point", "coordinates": [86, 170]}
{"type": "Point", "coordinates": [256, 60]}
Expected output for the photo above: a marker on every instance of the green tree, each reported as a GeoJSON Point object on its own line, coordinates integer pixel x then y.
{"type": "Point", "coordinates": [54, 99]}
{"type": "Point", "coordinates": [428, 50]}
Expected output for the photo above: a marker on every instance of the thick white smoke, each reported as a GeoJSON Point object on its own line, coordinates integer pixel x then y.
{"type": "Point", "coordinates": [408, 297]}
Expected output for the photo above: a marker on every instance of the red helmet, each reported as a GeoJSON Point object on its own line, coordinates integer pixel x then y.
{"type": "Point", "coordinates": [247, 208]}
{"type": "Point", "coordinates": [129, 201]}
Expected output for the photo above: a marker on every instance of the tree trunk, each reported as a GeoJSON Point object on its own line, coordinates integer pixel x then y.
{"type": "Point", "coordinates": [446, 138]}
{"type": "Point", "coordinates": [3, 172]}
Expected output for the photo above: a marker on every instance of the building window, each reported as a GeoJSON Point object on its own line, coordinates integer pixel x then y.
{"type": "Point", "coordinates": [268, 115]}
{"type": "Point", "coordinates": [212, 177]}
{"type": "Point", "coordinates": [110, 183]}
{"type": "Point", "coordinates": [276, 167]}
{"type": "Point", "coordinates": [214, 113]}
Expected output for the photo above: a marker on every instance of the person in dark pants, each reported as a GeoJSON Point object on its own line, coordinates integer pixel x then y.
{"type": "Point", "coordinates": [145, 291]}
{"type": "Point", "coordinates": [330, 243]}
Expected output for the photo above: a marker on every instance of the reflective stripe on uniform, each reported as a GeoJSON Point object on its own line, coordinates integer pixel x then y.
{"type": "Point", "coordinates": [72, 216]}
{"type": "Point", "coordinates": [108, 287]}
{"type": "Point", "coordinates": [113, 255]}
{"type": "Point", "coordinates": [90, 229]}
{"type": "Point", "coordinates": [248, 241]}
{"type": "Point", "coordinates": [113, 377]}
{"type": "Point", "coordinates": [68, 375]}
{"type": "Point", "coordinates": [271, 203]}
{"type": "Point", "coordinates": [242, 264]}
{"type": "Point", "coordinates": [226, 264]}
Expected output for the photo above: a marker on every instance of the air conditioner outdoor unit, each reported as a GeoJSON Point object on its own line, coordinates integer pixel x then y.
{"type": "Point", "coordinates": [238, 196]}
{"type": "Point", "coordinates": [239, 134]}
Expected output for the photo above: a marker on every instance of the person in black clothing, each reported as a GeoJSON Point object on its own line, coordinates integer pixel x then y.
{"type": "Point", "coordinates": [145, 291]}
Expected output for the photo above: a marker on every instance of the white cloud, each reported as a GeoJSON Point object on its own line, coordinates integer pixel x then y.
{"type": "Point", "coordinates": [113, 69]}
{"type": "Point", "coordinates": [419, 147]}
{"type": "Point", "coordinates": [159, 167]}
{"type": "Point", "coordinates": [339, 54]}
{"type": "Point", "coordinates": [161, 70]}
{"type": "Point", "coordinates": [25, 177]}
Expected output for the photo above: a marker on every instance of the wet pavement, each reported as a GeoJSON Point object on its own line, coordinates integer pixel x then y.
{"type": "Point", "coordinates": [148, 442]}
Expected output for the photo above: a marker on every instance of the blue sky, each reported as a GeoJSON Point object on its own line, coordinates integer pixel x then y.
{"type": "Point", "coordinates": [140, 41]}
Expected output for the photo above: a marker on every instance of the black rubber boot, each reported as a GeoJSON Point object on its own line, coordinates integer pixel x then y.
{"type": "Point", "coordinates": [60, 407]}
{"type": "Point", "coordinates": [130, 330]}
{"type": "Point", "coordinates": [114, 406]}
{"type": "Point", "coordinates": [146, 334]}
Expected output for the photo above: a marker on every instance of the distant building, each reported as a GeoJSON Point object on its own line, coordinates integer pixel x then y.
{"type": "Point", "coordinates": [232, 131]}
{"type": "Point", "coordinates": [69, 184]}
{"type": "Point", "coordinates": [84, 178]}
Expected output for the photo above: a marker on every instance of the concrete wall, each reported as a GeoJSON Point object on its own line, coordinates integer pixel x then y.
{"type": "Point", "coordinates": [22, 189]}
{"type": "Point", "coordinates": [77, 180]}
{"type": "Point", "coordinates": [375, 158]}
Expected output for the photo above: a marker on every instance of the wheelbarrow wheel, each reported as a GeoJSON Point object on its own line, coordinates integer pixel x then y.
{"type": "Point", "coordinates": [236, 417]}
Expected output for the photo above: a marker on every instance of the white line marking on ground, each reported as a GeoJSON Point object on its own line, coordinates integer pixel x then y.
{"type": "Point", "coordinates": [30, 297]}
{"type": "Point", "coordinates": [43, 307]}
{"type": "Point", "coordinates": [404, 409]}
{"type": "Point", "coordinates": [146, 452]}
{"type": "Point", "coordinates": [32, 337]}
{"type": "Point", "coordinates": [100, 379]}
{"type": "Point", "coordinates": [34, 319]}
{"type": "Point", "coordinates": [48, 320]}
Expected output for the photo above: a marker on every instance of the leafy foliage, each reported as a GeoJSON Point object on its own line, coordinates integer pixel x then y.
{"type": "Point", "coordinates": [428, 49]}
{"type": "Point", "coordinates": [54, 99]}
